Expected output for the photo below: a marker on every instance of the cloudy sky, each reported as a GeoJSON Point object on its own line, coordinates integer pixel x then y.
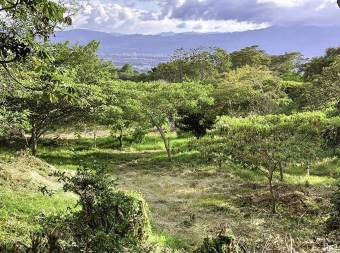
{"type": "Point", "coordinates": [157, 16]}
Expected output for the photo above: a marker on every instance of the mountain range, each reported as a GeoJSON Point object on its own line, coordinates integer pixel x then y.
{"type": "Point", "coordinates": [146, 51]}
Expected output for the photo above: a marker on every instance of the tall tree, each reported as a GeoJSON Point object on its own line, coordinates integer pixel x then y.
{"type": "Point", "coordinates": [325, 90]}
{"type": "Point", "coordinates": [287, 65]}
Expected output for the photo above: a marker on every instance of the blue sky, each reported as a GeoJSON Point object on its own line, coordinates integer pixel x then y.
{"type": "Point", "coordinates": [157, 16]}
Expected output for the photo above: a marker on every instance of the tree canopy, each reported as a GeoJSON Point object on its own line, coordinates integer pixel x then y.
{"type": "Point", "coordinates": [249, 90]}
{"type": "Point", "coordinates": [23, 22]}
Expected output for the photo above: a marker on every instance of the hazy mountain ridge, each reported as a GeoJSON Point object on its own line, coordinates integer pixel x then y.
{"type": "Point", "coordinates": [309, 40]}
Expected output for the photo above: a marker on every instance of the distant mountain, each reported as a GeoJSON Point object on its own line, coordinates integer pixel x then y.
{"type": "Point", "coordinates": [145, 51]}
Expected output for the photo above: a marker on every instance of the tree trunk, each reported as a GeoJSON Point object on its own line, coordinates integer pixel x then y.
{"type": "Point", "coordinates": [34, 141]}
{"type": "Point", "coordinates": [281, 171]}
{"type": "Point", "coordinates": [168, 149]}
{"type": "Point", "coordinates": [166, 142]}
{"type": "Point", "coordinates": [271, 189]}
{"type": "Point", "coordinates": [308, 170]}
{"type": "Point", "coordinates": [95, 138]}
{"type": "Point", "coordinates": [120, 138]}
{"type": "Point", "coordinates": [27, 143]}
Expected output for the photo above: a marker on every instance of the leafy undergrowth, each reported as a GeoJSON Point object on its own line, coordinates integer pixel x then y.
{"type": "Point", "coordinates": [190, 199]}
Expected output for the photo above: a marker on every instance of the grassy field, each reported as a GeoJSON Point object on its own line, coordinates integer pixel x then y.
{"type": "Point", "coordinates": [189, 199]}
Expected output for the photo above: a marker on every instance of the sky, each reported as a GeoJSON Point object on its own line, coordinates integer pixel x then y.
{"type": "Point", "coordinates": [203, 16]}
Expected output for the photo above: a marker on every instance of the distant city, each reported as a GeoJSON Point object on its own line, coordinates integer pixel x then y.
{"type": "Point", "coordinates": [140, 62]}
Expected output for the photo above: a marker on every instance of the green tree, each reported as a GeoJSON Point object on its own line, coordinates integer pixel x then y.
{"type": "Point", "coordinates": [23, 22]}
{"type": "Point", "coordinates": [196, 121]}
{"type": "Point", "coordinates": [85, 63]}
{"type": "Point", "coordinates": [249, 90]}
{"type": "Point", "coordinates": [52, 92]}
{"type": "Point", "coordinates": [128, 73]}
{"type": "Point", "coordinates": [251, 56]}
{"type": "Point", "coordinates": [88, 69]}
{"type": "Point", "coordinates": [158, 103]}
{"type": "Point", "coordinates": [325, 90]}
{"type": "Point", "coordinates": [162, 100]}
{"type": "Point", "coordinates": [315, 66]}
{"type": "Point", "coordinates": [122, 110]}
{"type": "Point", "coordinates": [262, 143]}
{"type": "Point", "coordinates": [23, 25]}
{"type": "Point", "coordinates": [287, 65]}
{"type": "Point", "coordinates": [195, 65]}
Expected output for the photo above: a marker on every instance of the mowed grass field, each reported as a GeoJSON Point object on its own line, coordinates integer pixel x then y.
{"type": "Point", "coordinates": [189, 199]}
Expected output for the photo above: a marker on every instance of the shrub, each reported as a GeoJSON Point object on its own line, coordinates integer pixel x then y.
{"type": "Point", "coordinates": [139, 134]}
{"type": "Point", "coordinates": [104, 220]}
{"type": "Point", "coordinates": [108, 220]}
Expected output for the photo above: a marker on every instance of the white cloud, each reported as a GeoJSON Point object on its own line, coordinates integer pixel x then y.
{"type": "Point", "coordinates": [325, 3]}
{"type": "Point", "coordinates": [112, 17]}
{"type": "Point", "coordinates": [203, 26]}
{"type": "Point", "coordinates": [156, 16]}
{"type": "Point", "coordinates": [284, 3]}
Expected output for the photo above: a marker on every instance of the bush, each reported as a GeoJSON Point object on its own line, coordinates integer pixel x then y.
{"type": "Point", "coordinates": [108, 221]}
{"type": "Point", "coordinates": [105, 220]}
{"type": "Point", "coordinates": [139, 134]}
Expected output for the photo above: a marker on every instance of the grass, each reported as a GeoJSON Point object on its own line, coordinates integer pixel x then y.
{"type": "Point", "coordinates": [21, 202]}
{"type": "Point", "coordinates": [166, 240]}
{"type": "Point", "coordinates": [19, 211]}
{"type": "Point", "coordinates": [188, 198]}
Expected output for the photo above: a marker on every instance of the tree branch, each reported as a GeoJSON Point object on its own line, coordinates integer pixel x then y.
{"type": "Point", "coordinates": [12, 6]}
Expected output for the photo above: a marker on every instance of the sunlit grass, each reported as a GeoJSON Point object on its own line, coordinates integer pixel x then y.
{"type": "Point", "coordinates": [155, 142]}
{"type": "Point", "coordinates": [312, 180]}
{"type": "Point", "coordinates": [167, 240]}
{"type": "Point", "coordinates": [19, 211]}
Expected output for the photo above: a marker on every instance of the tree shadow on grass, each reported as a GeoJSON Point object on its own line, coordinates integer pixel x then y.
{"type": "Point", "coordinates": [90, 158]}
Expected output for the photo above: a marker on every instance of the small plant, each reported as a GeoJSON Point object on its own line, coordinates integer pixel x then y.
{"type": "Point", "coordinates": [139, 134]}
{"type": "Point", "coordinates": [223, 243]}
